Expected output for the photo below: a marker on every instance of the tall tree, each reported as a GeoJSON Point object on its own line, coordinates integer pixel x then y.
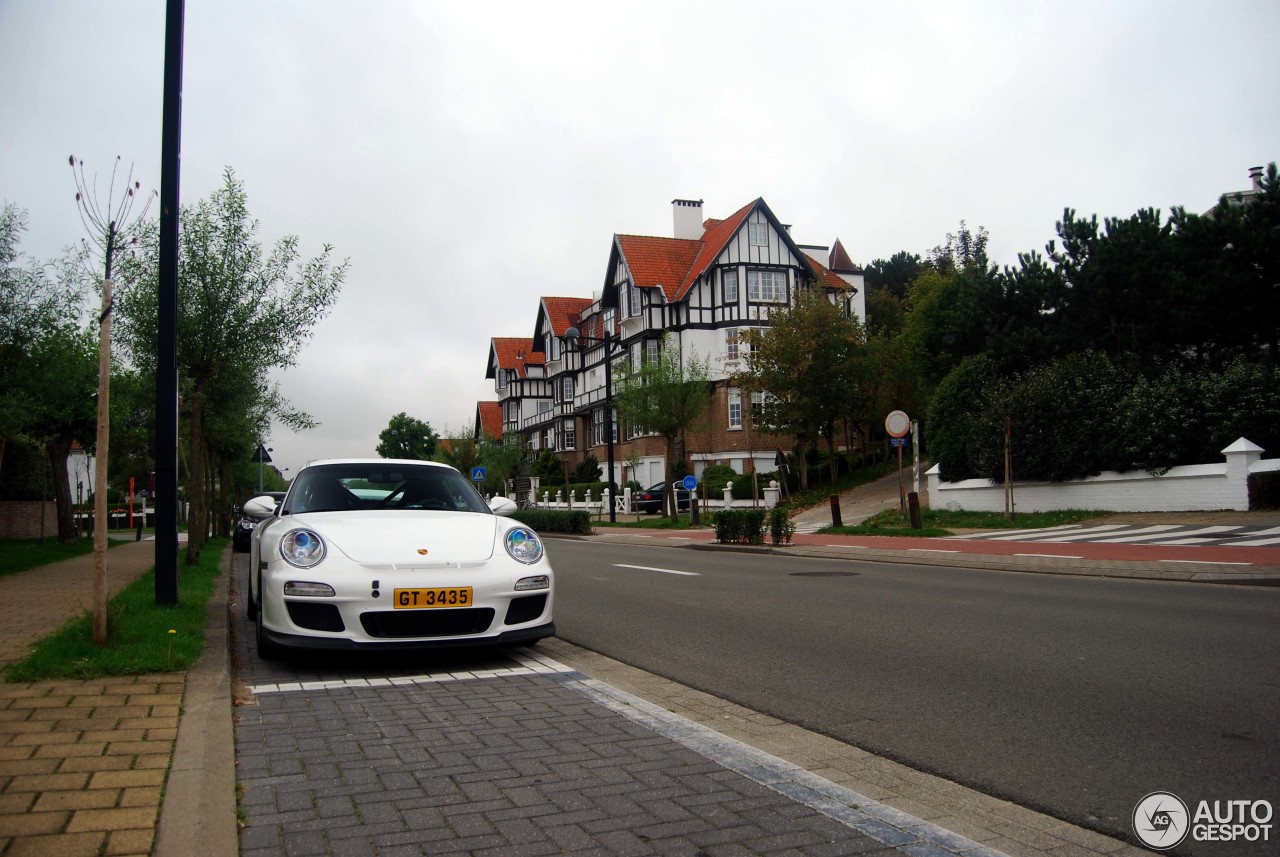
{"type": "Point", "coordinates": [407, 437]}
{"type": "Point", "coordinates": [811, 364]}
{"type": "Point", "coordinates": [665, 395]}
{"type": "Point", "coordinates": [241, 312]}
{"type": "Point", "coordinates": [33, 306]}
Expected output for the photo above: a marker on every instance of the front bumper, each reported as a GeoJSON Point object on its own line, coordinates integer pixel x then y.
{"type": "Point", "coordinates": [507, 638]}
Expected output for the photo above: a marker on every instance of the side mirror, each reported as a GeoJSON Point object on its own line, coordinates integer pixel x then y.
{"type": "Point", "coordinates": [260, 508]}
{"type": "Point", "coordinates": [503, 506]}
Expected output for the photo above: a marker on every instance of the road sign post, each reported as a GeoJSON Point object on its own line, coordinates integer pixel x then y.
{"type": "Point", "coordinates": [897, 425]}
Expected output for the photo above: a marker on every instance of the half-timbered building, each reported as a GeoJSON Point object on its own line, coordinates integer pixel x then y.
{"type": "Point", "coordinates": [696, 292]}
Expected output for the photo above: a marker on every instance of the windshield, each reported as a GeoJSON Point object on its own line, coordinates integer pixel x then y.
{"type": "Point", "coordinates": [354, 487]}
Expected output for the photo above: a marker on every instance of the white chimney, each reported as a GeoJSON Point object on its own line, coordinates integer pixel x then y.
{"type": "Point", "coordinates": [686, 216]}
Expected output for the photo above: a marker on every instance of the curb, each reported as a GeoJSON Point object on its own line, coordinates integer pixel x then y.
{"type": "Point", "coordinates": [198, 815]}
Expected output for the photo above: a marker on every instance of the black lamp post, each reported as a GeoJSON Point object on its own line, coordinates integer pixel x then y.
{"type": "Point", "coordinates": [573, 335]}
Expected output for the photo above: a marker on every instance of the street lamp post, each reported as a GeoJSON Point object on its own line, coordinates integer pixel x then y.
{"type": "Point", "coordinates": [574, 336]}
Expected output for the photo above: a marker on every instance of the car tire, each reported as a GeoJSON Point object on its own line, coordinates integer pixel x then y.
{"type": "Point", "coordinates": [267, 650]}
{"type": "Point", "coordinates": [250, 605]}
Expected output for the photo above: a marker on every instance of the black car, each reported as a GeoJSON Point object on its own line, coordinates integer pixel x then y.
{"type": "Point", "coordinates": [244, 527]}
{"type": "Point", "coordinates": [649, 500]}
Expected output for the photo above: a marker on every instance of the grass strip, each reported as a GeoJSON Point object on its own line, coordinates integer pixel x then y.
{"type": "Point", "coordinates": [943, 522]}
{"type": "Point", "coordinates": [24, 554]}
{"type": "Point", "coordinates": [142, 636]}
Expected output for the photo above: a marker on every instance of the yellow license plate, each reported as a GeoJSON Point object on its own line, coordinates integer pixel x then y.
{"type": "Point", "coordinates": [420, 599]}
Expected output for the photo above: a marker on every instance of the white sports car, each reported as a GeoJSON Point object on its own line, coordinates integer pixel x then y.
{"type": "Point", "coordinates": [382, 553]}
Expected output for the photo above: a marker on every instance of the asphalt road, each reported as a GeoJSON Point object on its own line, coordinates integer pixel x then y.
{"type": "Point", "coordinates": [1072, 696]}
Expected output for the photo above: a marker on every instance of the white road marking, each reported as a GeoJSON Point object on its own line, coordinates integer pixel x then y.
{"type": "Point", "coordinates": [663, 570]}
{"type": "Point", "coordinates": [931, 550]}
{"type": "Point", "coordinates": [1050, 555]}
{"type": "Point", "coordinates": [991, 535]}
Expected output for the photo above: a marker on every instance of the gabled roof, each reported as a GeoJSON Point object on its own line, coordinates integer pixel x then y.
{"type": "Point", "coordinates": [658, 261]}
{"type": "Point", "coordinates": [561, 314]}
{"type": "Point", "coordinates": [718, 234]}
{"type": "Point", "coordinates": [513, 353]}
{"type": "Point", "coordinates": [489, 420]}
{"type": "Point", "coordinates": [677, 263]}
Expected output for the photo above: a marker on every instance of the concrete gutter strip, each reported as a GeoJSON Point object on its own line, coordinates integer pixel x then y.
{"type": "Point", "coordinates": [199, 811]}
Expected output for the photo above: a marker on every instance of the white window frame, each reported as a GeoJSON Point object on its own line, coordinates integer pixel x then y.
{"type": "Point", "coordinates": [774, 291]}
{"type": "Point", "coordinates": [757, 407]}
{"type": "Point", "coordinates": [758, 233]}
{"type": "Point", "coordinates": [568, 434]}
{"type": "Point", "coordinates": [633, 299]}
{"type": "Point", "coordinates": [651, 350]}
{"type": "Point", "coordinates": [734, 415]}
{"type": "Point", "coordinates": [729, 284]}
{"type": "Point", "coordinates": [732, 342]}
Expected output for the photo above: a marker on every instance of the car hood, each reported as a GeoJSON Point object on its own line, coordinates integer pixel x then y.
{"type": "Point", "coordinates": [405, 537]}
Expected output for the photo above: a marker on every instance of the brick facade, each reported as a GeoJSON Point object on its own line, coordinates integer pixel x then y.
{"type": "Point", "coordinates": [20, 519]}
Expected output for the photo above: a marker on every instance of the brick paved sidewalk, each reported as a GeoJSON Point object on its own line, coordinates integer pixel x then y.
{"type": "Point", "coordinates": [82, 763]}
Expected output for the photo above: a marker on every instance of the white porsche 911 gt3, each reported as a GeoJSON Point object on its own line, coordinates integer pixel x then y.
{"type": "Point", "coordinates": [384, 553]}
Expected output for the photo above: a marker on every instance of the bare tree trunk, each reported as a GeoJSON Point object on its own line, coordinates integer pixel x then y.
{"type": "Point", "coordinates": [100, 470]}
{"type": "Point", "coordinates": [669, 503]}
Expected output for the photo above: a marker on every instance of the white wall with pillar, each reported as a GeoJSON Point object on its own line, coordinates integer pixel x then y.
{"type": "Point", "coordinates": [1190, 488]}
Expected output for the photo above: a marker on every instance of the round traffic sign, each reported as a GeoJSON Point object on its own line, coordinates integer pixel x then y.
{"type": "Point", "coordinates": [690, 482]}
{"type": "Point", "coordinates": [897, 424]}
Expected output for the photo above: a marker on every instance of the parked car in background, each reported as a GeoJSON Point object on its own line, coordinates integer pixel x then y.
{"type": "Point", "coordinates": [244, 527]}
{"type": "Point", "coordinates": [650, 499]}
{"type": "Point", "coordinates": [391, 554]}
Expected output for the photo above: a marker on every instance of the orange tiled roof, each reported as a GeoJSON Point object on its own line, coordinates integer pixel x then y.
{"type": "Point", "coordinates": [489, 419]}
{"type": "Point", "coordinates": [829, 278]}
{"type": "Point", "coordinates": [516, 353]}
{"type": "Point", "coordinates": [564, 313]}
{"type": "Point", "coordinates": [659, 261]}
{"type": "Point", "coordinates": [713, 242]}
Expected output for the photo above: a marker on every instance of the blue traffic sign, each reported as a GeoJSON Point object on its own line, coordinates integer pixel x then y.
{"type": "Point", "coordinates": [690, 482]}
{"type": "Point", "coordinates": [477, 474]}
{"type": "Point", "coordinates": [897, 441]}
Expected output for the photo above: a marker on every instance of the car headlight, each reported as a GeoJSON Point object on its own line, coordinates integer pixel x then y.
{"type": "Point", "coordinates": [524, 545]}
{"type": "Point", "coordinates": [302, 548]}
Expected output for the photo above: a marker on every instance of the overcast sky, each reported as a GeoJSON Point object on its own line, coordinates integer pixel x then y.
{"type": "Point", "coordinates": [469, 158]}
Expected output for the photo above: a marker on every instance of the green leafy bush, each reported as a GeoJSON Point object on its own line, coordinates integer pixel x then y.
{"type": "Point", "coordinates": [740, 526]}
{"type": "Point", "coordinates": [781, 527]}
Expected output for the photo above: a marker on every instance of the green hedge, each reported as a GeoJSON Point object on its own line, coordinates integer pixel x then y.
{"type": "Point", "coordinates": [740, 526]}
{"type": "Point", "coordinates": [555, 521]}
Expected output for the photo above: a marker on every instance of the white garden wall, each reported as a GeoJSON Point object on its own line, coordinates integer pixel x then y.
{"type": "Point", "coordinates": [1197, 487]}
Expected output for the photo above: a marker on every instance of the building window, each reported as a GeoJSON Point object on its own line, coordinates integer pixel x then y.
{"type": "Point", "coordinates": [568, 438]}
{"type": "Point", "coordinates": [552, 346]}
{"type": "Point", "coordinates": [566, 388]}
{"type": "Point", "coordinates": [651, 351]}
{"type": "Point", "coordinates": [757, 408]}
{"type": "Point", "coordinates": [544, 407]}
{"type": "Point", "coordinates": [731, 343]}
{"type": "Point", "coordinates": [735, 408]}
{"type": "Point", "coordinates": [608, 321]}
{"type": "Point", "coordinates": [767, 286]}
{"type": "Point", "coordinates": [758, 233]}
{"type": "Point", "coordinates": [731, 286]}
{"type": "Point", "coordinates": [633, 299]}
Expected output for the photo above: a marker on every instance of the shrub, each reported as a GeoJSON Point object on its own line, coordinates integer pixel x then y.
{"type": "Point", "coordinates": [555, 521]}
{"type": "Point", "coordinates": [740, 526]}
{"type": "Point", "coordinates": [781, 527]}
